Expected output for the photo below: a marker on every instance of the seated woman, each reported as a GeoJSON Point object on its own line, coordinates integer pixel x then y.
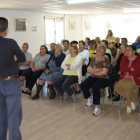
{"type": "Point", "coordinates": [52, 72]}
{"type": "Point", "coordinates": [98, 69]}
{"type": "Point", "coordinates": [72, 74]}
{"type": "Point", "coordinates": [37, 67]}
{"type": "Point", "coordinates": [25, 66]}
{"type": "Point", "coordinates": [128, 85]}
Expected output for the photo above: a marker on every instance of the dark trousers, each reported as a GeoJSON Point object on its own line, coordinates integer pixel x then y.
{"type": "Point", "coordinates": [114, 76]}
{"type": "Point", "coordinates": [31, 78]}
{"type": "Point", "coordinates": [96, 84]}
{"type": "Point", "coordinates": [10, 109]}
{"type": "Point", "coordinates": [23, 72]}
{"type": "Point", "coordinates": [63, 84]}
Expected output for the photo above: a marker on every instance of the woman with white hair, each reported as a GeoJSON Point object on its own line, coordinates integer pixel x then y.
{"type": "Point", "coordinates": [52, 72]}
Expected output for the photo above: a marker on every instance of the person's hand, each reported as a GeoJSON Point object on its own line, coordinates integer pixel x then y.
{"type": "Point", "coordinates": [15, 57]}
{"type": "Point", "coordinates": [89, 69]}
{"type": "Point", "coordinates": [33, 69]}
{"type": "Point", "coordinates": [68, 66]}
{"type": "Point", "coordinates": [46, 71]}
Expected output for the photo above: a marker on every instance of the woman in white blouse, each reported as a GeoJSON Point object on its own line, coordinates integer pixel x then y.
{"type": "Point", "coordinates": [72, 66]}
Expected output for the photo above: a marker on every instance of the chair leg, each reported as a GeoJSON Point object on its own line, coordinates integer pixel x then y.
{"type": "Point", "coordinates": [120, 104]}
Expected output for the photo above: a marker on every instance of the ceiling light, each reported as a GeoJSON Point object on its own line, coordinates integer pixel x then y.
{"type": "Point", "coordinates": [131, 10]}
{"type": "Point", "coordinates": [81, 1]}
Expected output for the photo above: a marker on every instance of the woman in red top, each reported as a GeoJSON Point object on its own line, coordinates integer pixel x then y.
{"type": "Point", "coordinates": [129, 83]}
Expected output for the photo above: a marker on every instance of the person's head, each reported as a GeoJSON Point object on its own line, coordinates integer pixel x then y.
{"type": "Point", "coordinates": [87, 40]}
{"type": "Point", "coordinates": [124, 41]}
{"type": "Point", "coordinates": [109, 33]}
{"type": "Point", "coordinates": [25, 47]}
{"type": "Point", "coordinates": [138, 39]}
{"type": "Point", "coordinates": [43, 50]}
{"type": "Point", "coordinates": [52, 46]}
{"type": "Point", "coordinates": [104, 43]}
{"type": "Point", "coordinates": [3, 26]}
{"type": "Point", "coordinates": [117, 40]}
{"type": "Point", "coordinates": [74, 42]}
{"type": "Point", "coordinates": [93, 44]}
{"type": "Point", "coordinates": [123, 48]}
{"type": "Point", "coordinates": [73, 50]}
{"type": "Point", "coordinates": [58, 48]}
{"type": "Point", "coordinates": [130, 51]}
{"type": "Point", "coordinates": [100, 51]}
{"type": "Point", "coordinates": [111, 45]}
{"type": "Point", "coordinates": [81, 45]}
{"type": "Point", "coordinates": [98, 40]}
{"type": "Point", "coordinates": [65, 44]}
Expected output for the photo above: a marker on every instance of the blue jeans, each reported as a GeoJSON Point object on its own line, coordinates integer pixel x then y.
{"type": "Point", "coordinates": [10, 109]}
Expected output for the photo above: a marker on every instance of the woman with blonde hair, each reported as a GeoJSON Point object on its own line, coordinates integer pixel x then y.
{"type": "Point", "coordinates": [72, 74]}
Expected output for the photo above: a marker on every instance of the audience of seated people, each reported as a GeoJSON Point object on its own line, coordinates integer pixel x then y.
{"type": "Point", "coordinates": [52, 72]}
{"type": "Point", "coordinates": [98, 79]}
{"type": "Point", "coordinates": [72, 74]}
{"type": "Point", "coordinates": [128, 85]}
{"type": "Point", "coordinates": [62, 72]}
{"type": "Point", "coordinates": [37, 67]}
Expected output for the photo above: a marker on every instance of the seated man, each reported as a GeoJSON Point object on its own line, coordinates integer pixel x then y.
{"type": "Point", "coordinates": [52, 72]}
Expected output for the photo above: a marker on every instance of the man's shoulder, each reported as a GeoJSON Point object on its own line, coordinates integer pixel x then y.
{"type": "Point", "coordinates": [9, 39]}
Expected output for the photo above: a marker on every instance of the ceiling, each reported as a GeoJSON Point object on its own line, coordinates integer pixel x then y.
{"type": "Point", "coordinates": [61, 6]}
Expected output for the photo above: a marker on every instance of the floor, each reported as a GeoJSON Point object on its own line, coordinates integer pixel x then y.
{"type": "Point", "coordinates": [46, 119]}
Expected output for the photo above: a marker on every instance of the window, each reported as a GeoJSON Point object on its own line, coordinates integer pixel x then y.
{"type": "Point", "coordinates": [54, 30]}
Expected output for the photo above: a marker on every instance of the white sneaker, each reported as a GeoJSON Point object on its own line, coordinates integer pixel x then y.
{"type": "Point", "coordinates": [97, 111]}
{"type": "Point", "coordinates": [133, 107]}
{"type": "Point", "coordinates": [89, 101]}
{"type": "Point", "coordinates": [128, 110]}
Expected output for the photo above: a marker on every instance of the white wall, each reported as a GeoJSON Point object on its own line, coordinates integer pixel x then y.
{"type": "Point", "coordinates": [34, 38]}
{"type": "Point", "coordinates": [77, 27]}
{"type": "Point", "coordinates": [93, 26]}
{"type": "Point", "coordinates": [73, 27]}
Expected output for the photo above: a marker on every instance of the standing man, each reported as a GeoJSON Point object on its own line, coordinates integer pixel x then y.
{"type": "Point", "coordinates": [10, 89]}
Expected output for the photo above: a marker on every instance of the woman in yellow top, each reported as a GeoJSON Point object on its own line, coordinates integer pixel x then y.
{"type": "Point", "coordinates": [92, 48]}
{"type": "Point", "coordinates": [72, 66]}
{"type": "Point", "coordinates": [110, 37]}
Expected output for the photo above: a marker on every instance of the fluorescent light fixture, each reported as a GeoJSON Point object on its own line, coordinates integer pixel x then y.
{"type": "Point", "coordinates": [131, 10]}
{"type": "Point", "coordinates": [81, 1]}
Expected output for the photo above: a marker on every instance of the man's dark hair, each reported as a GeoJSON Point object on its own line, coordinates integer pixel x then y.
{"type": "Point", "coordinates": [3, 24]}
{"type": "Point", "coordinates": [65, 41]}
{"type": "Point", "coordinates": [73, 42]}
